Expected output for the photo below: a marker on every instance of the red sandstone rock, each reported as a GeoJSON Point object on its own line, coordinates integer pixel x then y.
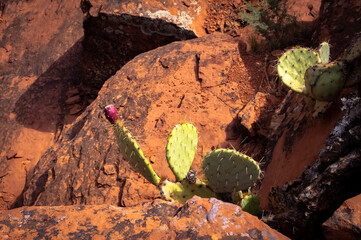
{"type": "Point", "coordinates": [41, 46]}
{"type": "Point", "coordinates": [345, 223]}
{"type": "Point", "coordinates": [197, 219]}
{"type": "Point", "coordinates": [153, 93]}
{"type": "Point", "coordinates": [258, 112]}
{"type": "Point", "coordinates": [44, 59]}
{"type": "Point", "coordinates": [188, 16]}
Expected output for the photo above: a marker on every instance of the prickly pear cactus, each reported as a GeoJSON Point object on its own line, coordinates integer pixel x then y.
{"type": "Point", "coordinates": [354, 50]}
{"type": "Point", "coordinates": [324, 52]}
{"type": "Point", "coordinates": [230, 171]}
{"type": "Point", "coordinates": [181, 148]}
{"type": "Point", "coordinates": [324, 81]}
{"type": "Point", "coordinates": [129, 148]}
{"type": "Point", "coordinates": [251, 204]}
{"type": "Point", "coordinates": [182, 191]}
{"type": "Point", "coordinates": [292, 66]}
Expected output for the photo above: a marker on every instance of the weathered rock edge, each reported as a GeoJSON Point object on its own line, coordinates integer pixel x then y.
{"type": "Point", "coordinates": [197, 219]}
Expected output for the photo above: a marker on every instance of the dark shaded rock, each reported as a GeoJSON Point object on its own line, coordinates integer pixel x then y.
{"type": "Point", "coordinates": [303, 205]}
{"type": "Point", "coordinates": [198, 219]}
{"type": "Point", "coordinates": [345, 223]}
{"type": "Point", "coordinates": [112, 40]}
{"type": "Point", "coordinates": [294, 143]}
{"type": "Point", "coordinates": [339, 21]}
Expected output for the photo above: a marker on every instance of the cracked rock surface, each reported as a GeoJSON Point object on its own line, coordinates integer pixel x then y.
{"type": "Point", "coordinates": [197, 219]}
{"type": "Point", "coordinates": [153, 92]}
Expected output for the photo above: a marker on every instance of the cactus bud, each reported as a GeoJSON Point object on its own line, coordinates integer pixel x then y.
{"type": "Point", "coordinates": [111, 113]}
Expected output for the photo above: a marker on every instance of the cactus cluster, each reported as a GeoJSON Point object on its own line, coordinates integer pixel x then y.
{"type": "Point", "coordinates": [312, 74]}
{"type": "Point", "coordinates": [227, 171]}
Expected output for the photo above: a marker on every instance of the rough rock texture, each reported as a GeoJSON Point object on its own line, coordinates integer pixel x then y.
{"type": "Point", "coordinates": [39, 62]}
{"type": "Point", "coordinates": [202, 80]}
{"type": "Point", "coordinates": [345, 223]}
{"type": "Point", "coordinates": [50, 70]}
{"type": "Point", "coordinates": [188, 15]}
{"type": "Point", "coordinates": [301, 206]}
{"type": "Point", "coordinates": [111, 40]}
{"type": "Point", "coordinates": [197, 219]}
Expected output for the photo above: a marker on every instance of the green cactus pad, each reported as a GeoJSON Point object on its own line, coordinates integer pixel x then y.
{"type": "Point", "coordinates": [251, 204]}
{"type": "Point", "coordinates": [182, 191]}
{"type": "Point", "coordinates": [133, 154]}
{"type": "Point", "coordinates": [292, 66]}
{"type": "Point", "coordinates": [324, 81]}
{"type": "Point", "coordinates": [181, 148]}
{"type": "Point", "coordinates": [324, 52]}
{"type": "Point", "coordinates": [354, 49]}
{"type": "Point", "coordinates": [230, 171]}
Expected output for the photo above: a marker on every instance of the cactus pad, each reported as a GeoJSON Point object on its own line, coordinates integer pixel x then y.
{"type": "Point", "coordinates": [181, 148]}
{"type": "Point", "coordinates": [324, 52]}
{"type": "Point", "coordinates": [251, 204]}
{"type": "Point", "coordinates": [133, 154]}
{"type": "Point", "coordinates": [324, 81]}
{"type": "Point", "coordinates": [182, 191]}
{"type": "Point", "coordinates": [230, 171]}
{"type": "Point", "coordinates": [292, 66]}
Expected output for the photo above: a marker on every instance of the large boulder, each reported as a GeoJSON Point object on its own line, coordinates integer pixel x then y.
{"type": "Point", "coordinates": [203, 80]}
{"type": "Point", "coordinates": [197, 219]}
{"type": "Point", "coordinates": [54, 58]}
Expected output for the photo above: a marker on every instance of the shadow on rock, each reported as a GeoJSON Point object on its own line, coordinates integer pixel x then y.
{"type": "Point", "coordinates": [42, 106]}
{"type": "Point", "coordinates": [64, 90]}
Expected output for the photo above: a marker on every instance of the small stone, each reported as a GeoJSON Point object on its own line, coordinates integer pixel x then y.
{"type": "Point", "coordinates": [109, 169]}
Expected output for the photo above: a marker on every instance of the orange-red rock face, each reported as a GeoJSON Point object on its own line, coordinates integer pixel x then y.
{"type": "Point", "coordinates": [197, 219]}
